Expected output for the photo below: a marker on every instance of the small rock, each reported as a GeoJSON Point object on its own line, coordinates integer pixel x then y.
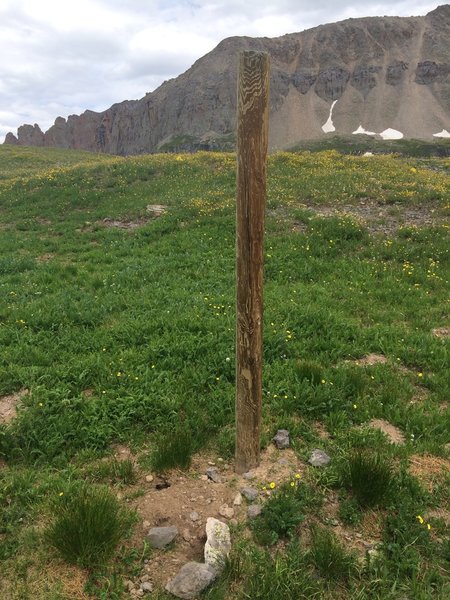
{"type": "Point", "coordinates": [319, 458]}
{"type": "Point", "coordinates": [139, 593]}
{"type": "Point", "coordinates": [146, 524]}
{"type": "Point", "coordinates": [186, 535]}
{"type": "Point", "coordinates": [146, 586]}
{"type": "Point", "coordinates": [281, 439]}
{"type": "Point", "coordinates": [249, 476]}
{"type": "Point", "coordinates": [144, 578]}
{"type": "Point", "coordinates": [211, 463]}
{"type": "Point", "coordinates": [250, 493]}
{"type": "Point", "coordinates": [237, 499]}
{"type": "Point", "coordinates": [194, 516]}
{"type": "Point", "coordinates": [204, 478]}
{"type": "Point", "coordinates": [283, 462]}
{"type": "Point", "coordinates": [226, 511]}
{"type": "Point", "coordinates": [129, 585]}
{"type": "Point", "coordinates": [213, 474]}
{"type": "Point", "coordinates": [218, 544]}
{"type": "Point", "coordinates": [254, 511]}
{"type": "Point", "coordinates": [192, 579]}
{"type": "Point", "coordinates": [358, 535]}
{"type": "Point", "coordinates": [149, 478]}
{"type": "Point", "coordinates": [160, 537]}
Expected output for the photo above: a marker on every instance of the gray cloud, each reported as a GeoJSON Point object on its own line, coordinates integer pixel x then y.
{"type": "Point", "coordinates": [61, 58]}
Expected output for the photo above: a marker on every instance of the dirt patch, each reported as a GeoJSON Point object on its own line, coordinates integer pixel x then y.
{"type": "Point", "coordinates": [430, 470]}
{"type": "Point", "coordinates": [394, 434]}
{"type": "Point", "coordinates": [153, 211]}
{"type": "Point", "coordinates": [370, 360]}
{"type": "Point", "coordinates": [381, 218]}
{"type": "Point", "coordinates": [43, 258]}
{"type": "Point", "coordinates": [8, 405]}
{"type": "Point", "coordinates": [190, 498]}
{"type": "Point", "coordinates": [441, 332]}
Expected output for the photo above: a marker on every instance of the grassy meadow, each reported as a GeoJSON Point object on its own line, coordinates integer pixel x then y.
{"type": "Point", "coordinates": [117, 326]}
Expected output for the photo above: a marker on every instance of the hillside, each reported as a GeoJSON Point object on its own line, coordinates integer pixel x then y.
{"type": "Point", "coordinates": [385, 76]}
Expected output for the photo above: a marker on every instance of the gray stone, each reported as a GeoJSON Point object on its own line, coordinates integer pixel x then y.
{"type": "Point", "coordinates": [250, 493]}
{"type": "Point", "coordinates": [319, 458]}
{"type": "Point", "coordinates": [218, 544]}
{"type": "Point", "coordinates": [249, 476]}
{"type": "Point", "coordinates": [254, 511]}
{"type": "Point", "coordinates": [213, 474]}
{"type": "Point", "coordinates": [237, 499]}
{"type": "Point", "coordinates": [160, 537]}
{"type": "Point", "coordinates": [146, 586]}
{"type": "Point", "coordinates": [194, 516]}
{"type": "Point", "coordinates": [191, 579]}
{"type": "Point", "coordinates": [281, 439]}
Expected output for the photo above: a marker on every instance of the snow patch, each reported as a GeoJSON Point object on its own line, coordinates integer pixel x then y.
{"type": "Point", "coordinates": [362, 130]}
{"type": "Point", "coordinates": [391, 134]}
{"type": "Point", "coordinates": [442, 134]}
{"type": "Point", "coordinates": [329, 127]}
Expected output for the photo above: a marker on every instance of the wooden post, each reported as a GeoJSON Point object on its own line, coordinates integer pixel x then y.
{"type": "Point", "coordinates": [252, 138]}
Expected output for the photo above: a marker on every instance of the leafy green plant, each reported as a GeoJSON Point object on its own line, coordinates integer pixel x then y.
{"type": "Point", "coordinates": [349, 511]}
{"type": "Point", "coordinates": [281, 514]}
{"type": "Point", "coordinates": [328, 555]}
{"type": "Point", "coordinates": [88, 526]}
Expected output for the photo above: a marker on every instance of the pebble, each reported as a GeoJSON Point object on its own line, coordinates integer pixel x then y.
{"type": "Point", "coordinates": [250, 493]}
{"type": "Point", "coordinates": [249, 476]}
{"type": "Point", "coordinates": [319, 458]}
{"type": "Point", "coordinates": [254, 511]}
{"type": "Point", "coordinates": [146, 586]}
{"type": "Point", "coordinates": [194, 516]}
{"type": "Point", "coordinates": [213, 474]}
{"type": "Point", "coordinates": [149, 478]}
{"type": "Point", "coordinates": [237, 499]}
{"type": "Point", "coordinates": [226, 511]}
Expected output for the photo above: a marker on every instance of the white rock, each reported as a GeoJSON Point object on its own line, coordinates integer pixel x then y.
{"type": "Point", "coordinates": [237, 499]}
{"type": "Point", "coordinates": [218, 543]}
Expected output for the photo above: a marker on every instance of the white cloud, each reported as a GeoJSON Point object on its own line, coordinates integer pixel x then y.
{"type": "Point", "coordinates": [65, 57]}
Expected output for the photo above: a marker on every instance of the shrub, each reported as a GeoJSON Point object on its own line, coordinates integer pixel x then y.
{"type": "Point", "coordinates": [88, 526]}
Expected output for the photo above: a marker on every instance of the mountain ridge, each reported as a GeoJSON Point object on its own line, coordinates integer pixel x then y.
{"type": "Point", "coordinates": [385, 76]}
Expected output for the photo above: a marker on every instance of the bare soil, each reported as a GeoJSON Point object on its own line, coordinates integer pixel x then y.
{"type": "Point", "coordinates": [8, 405]}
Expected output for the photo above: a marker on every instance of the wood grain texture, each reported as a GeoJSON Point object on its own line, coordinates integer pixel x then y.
{"type": "Point", "coordinates": [252, 139]}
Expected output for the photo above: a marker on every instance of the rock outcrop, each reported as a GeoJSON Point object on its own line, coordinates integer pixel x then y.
{"type": "Point", "coordinates": [364, 75]}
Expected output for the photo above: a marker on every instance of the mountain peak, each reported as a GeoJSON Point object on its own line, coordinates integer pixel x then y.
{"type": "Point", "coordinates": [382, 76]}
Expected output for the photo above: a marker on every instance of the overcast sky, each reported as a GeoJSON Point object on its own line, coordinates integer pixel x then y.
{"type": "Point", "coordinates": [60, 57]}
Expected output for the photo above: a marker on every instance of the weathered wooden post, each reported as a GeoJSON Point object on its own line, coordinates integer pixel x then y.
{"type": "Point", "coordinates": [252, 138]}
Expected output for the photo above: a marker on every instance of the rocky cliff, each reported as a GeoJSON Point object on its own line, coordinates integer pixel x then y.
{"type": "Point", "coordinates": [385, 76]}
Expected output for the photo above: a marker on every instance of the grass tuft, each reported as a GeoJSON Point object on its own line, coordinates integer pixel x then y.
{"type": "Point", "coordinates": [370, 477]}
{"type": "Point", "coordinates": [88, 526]}
{"type": "Point", "coordinates": [330, 558]}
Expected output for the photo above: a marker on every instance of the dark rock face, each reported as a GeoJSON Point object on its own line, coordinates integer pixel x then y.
{"type": "Point", "coordinates": [364, 78]}
{"type": "Point", "coordinates": [331, 83]}
{"type": "Point", "coordinates": [356, 63]}
{"type": "Point", "coordinates": [428, 72]}
{"type": "Point", "coordinates": [395, 73]}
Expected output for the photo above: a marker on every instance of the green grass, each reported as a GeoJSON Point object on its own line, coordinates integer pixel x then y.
{"type": "Point", "coordinates": [125, 334]}
{"type": "Point", "coordinates": [88, 526]}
